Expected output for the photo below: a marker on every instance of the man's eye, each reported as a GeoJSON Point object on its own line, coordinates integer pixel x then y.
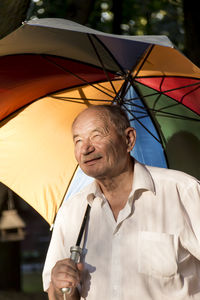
{"type": "Point", "coordinates": [77, 141]}
{"type": "Point", "coordinates": [96, 136]}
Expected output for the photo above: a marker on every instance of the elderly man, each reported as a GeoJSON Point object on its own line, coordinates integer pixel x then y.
{"type": "Point", "coordinates": [143, 235]}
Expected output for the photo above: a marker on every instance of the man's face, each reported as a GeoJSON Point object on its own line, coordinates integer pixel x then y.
{"type": "Point", "coordinates": [99, 149]}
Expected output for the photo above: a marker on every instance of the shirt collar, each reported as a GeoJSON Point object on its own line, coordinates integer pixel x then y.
{"type": "Point", "coordinates": [95, 192]}
{"type": "Point", "coordinates": [142, 180]}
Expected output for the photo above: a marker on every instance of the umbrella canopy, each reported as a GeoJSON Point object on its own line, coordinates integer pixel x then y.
{"type": "Point", "coordinates": [51, 69]}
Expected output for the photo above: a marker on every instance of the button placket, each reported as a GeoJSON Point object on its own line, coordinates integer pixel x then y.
{"type": "Point", "coordinates": [116, 268]}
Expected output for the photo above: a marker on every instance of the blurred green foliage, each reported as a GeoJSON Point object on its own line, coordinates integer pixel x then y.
{"type": "Point", "coordinates": [32, 282]}
{"type": "Point", "coordinates": [151, 17]}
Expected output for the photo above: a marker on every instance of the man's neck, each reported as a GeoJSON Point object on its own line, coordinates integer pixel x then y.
{"type": "Point", "coordinates": [117, 189]}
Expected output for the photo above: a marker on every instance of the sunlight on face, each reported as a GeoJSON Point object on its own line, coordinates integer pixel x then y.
{"type": "Point", "coordinates": [99, 149]}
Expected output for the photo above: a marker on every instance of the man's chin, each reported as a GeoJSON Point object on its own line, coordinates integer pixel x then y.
{"type": "Point", "coordinates": [92, 173]}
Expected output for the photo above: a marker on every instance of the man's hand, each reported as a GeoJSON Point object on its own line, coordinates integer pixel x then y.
{"type": "Point", "coordinates": [65, 274]}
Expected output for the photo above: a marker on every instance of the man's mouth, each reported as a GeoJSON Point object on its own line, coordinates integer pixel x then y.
{"type": "Point", "coordinates": [92, 160]}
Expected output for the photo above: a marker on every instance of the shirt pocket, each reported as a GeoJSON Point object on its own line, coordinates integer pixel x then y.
{"type": "Point", "coordinates": [157, 253]}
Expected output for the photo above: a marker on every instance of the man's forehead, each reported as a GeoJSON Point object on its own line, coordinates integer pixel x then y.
{"type": "Point", "coordinates": [91, 123]}
{"type": "Point", "coordinates": [90, 113]}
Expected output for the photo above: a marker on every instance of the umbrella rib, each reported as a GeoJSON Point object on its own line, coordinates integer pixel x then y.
{"type": "Point", "coordinates": [174, 116]}
{"type": "Point", "coordinates": [170, 90]}
{"type": "Point", "coordinates": [129, 78]}
{"type": "Point", "coordinates": [142, 116]}
{"type": "Point", "coordinates": [111, 55]}
{"type": "Point", "coordinates": [126, 87]}
{"type": "Point", "coordinates": [167, 114]}
{"type": "Point", "coordinates": [146, 55]}
{"type": "Point", "coordinates": [77, 76]}
{"type": "Point", "coordinates": [72, 99]}
{"type": "Point", "coordinates": [137, 119]}
{"type": "Point", "coordinates": [101, 62]}
{"type": "Point", "coordinates": [129, 101]}
{"type": "Point", "coordinates": [159, 132]}
{"type": "Point", "coordinates": [163, 113]}
{"type": "Point", "coordinates": [123, 90]}
{"type": "Point", "coordinates": [189, 93]}
{"type": "Point", "coordinates": [159, 95]}
{"type": "Point", "coordinates": [181, 100]}
{"type": "Point", "coordinates": [144, 110]}
{"type": "Point", "coordinates": [161, 110]}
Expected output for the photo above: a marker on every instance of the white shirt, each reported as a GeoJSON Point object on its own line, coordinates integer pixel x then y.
{"type": "Point", "coordinates": [152, 251]}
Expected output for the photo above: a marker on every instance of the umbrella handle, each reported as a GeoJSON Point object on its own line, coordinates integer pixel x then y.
{"type": "Point", "coordinates": [75, 256]}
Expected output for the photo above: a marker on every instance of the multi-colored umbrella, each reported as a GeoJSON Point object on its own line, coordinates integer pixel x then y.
{"type": "Point", "coordinates": [51, 69]}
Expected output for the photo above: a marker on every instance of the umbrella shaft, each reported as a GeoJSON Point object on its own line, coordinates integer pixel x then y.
{"type": "Point", "coordinates": [75, 256]}
{"type": "Point", "coordinates": [76, 250]}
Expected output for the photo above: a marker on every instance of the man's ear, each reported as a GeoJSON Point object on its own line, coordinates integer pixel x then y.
{"type": "Point", "coordinates": [130, 133]}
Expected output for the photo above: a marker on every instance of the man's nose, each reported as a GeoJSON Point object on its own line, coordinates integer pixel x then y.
{"type": "Point", "coordinates": [87, 147]}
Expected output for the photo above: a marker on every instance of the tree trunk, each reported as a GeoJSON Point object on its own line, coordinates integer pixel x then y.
{"type": "Point", "coordinates": [12, 14]}
{"type": "Point", "coordinates": [192, 33]}
{"type": "Point", "coordinates": [10, 278]}
{"type": "Point", "coordinates": [79, 11]}
{"type": "Point", "coordinates": [117, 16]}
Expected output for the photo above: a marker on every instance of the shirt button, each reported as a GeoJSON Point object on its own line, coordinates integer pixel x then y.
{"type": "Point", "coordinates": [115, 290]}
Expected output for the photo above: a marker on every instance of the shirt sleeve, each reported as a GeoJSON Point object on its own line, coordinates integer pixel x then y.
{"type": "Point", "coordinates": [65, 233]}
{"type": "Point", "coordinates": [56, 250]}
{"type": "Point", "coordinates": [190, 235]}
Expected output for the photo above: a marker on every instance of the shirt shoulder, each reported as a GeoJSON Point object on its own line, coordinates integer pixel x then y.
{"type": "Point", "coordinates": [172, 177]}
{"type": "Point", "coordinates": [80, 197]}
{"type": "Point", "coordinates": [74, 206]}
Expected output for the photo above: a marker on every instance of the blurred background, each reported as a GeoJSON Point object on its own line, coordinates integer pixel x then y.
{"type": "Point", "coordinates": [23, 250]}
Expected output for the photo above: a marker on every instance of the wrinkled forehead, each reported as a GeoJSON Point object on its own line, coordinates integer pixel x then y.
{"type": "Point", "coordinates": [92, 115]}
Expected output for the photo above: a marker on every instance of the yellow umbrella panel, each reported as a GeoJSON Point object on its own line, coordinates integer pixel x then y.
{"type": "Point", "coordinates": [36, 147]}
